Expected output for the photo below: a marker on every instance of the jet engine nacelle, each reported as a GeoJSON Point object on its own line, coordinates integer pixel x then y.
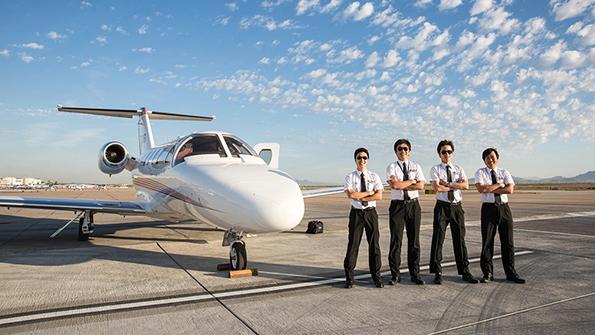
{"type": "Point", "coordinates": [114, 158]}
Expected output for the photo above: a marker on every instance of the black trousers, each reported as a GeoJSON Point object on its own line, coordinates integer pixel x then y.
{"type": "Point", "coordinates": [360, 220]}
{"type": "Point", "coordinates": [404, 215]}
{"type": "Point", "coordinates": [496, 218]}
{"type": "Point", "coordinates": [445, 214]}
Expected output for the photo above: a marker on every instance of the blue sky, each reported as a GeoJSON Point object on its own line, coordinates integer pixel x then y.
{"type": "Point", "coordinates": [319, 77]}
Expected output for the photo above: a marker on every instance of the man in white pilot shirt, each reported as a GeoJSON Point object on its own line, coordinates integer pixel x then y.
{"type": "Point", "coordinates": [405, 179]}
{"type": "Point", "coordinates": [363, 187]}
{"type": "Point", "coordinates": [494, 184]}
{"type": "Point", "coordinates": [448, 180]}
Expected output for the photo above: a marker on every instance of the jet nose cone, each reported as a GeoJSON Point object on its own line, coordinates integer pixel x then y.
{"type": "Point", "coordinates": [277, 203]}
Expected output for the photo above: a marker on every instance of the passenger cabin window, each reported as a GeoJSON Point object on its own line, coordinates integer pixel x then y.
{"type": "Point", "coordinates": [201, 145]}
{"type": "Point", "coordinates": [238, 147]}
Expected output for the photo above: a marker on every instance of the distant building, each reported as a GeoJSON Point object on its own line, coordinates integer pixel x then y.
{"type": "Point", "coordinates": [10, 182]}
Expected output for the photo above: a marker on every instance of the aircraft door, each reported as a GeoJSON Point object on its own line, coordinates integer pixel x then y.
{"type": "Point", "coordinates": [269, 152]}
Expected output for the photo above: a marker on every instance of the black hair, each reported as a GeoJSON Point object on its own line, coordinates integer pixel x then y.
{"type": "Point", "coordinates": [358, 150]}
{"type": "Point", "coordinates": [488, 151]}
{"type": "Point", "coordinates": [443, 143]}
{"type": "Point", "coordinates": [401, 141]}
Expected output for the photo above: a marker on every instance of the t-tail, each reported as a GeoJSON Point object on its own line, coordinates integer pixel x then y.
{"type": "Point", "coordinates": [145, 133]}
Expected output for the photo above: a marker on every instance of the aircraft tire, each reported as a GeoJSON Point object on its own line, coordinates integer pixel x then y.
{"type": "Point", "coordinates": [238, 258]}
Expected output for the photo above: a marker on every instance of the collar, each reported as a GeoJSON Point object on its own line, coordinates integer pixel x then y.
{"type": "Point", "coordinates": [359, 173]}
{"type": "Point", "coordinates": [400, 162]}
{"type": "Point", "coordinates": [444, 165]}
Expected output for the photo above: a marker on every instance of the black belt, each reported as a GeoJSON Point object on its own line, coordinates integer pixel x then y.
{"type": "Point", "coordinates": [363, 210]}
{"type": "Point", "coordinates": [495, 204]}
{"type": "Point", "coordinates": [410, 201]}
{"type": "Point", "coordinates": [446, 203]}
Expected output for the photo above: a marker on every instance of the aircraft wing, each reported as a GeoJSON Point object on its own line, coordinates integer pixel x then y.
{"type": "Point", "coordinates": [321, 191]}
{"type": "Point", "coordinates": [98, 206]}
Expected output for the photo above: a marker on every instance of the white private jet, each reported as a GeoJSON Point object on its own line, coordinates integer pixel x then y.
{"type": "Point", "coordinates": [213, 177]}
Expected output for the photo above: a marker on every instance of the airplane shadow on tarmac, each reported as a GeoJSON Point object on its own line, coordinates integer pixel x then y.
{"type": "Point", "coordinates": [26, 241]}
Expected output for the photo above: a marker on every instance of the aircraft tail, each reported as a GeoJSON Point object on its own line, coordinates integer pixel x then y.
{"type": "Point", "coordinates": [145, 133]}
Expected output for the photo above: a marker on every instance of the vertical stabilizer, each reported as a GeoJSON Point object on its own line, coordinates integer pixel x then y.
{"type": "Point", "coordinates": [145, 132]}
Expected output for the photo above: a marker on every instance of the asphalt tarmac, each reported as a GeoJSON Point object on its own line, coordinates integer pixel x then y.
{"type": "Point", "coordinates": [139, 275]}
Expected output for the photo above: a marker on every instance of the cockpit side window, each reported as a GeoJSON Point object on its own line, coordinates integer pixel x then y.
{"type": "Point", "coordinates": [237, 147]}
{"type": "Point", "coordinates": [201, 145]}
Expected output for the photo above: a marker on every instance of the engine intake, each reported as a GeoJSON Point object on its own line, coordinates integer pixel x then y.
{"type": "Point", "coordinates": [114, 158]}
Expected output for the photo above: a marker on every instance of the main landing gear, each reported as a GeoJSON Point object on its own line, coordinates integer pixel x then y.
{"type": "Point", "coordinates": [238, 258]}
{"type": "Point", "coordinates": [86, 226]}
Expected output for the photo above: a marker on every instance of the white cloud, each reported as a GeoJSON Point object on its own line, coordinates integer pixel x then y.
{"type": "Point", "coordinates": [105, 27]}
{"type": "Point", "coordinates": [316, 73]}
{"type": "Point", "coordinates": [422, 3]}
{"type": "Point", "coordinates": [52, 35]}
{"type": "Point", "coordinates": [346, 56]}
{"type": "Point", "coordinates": [570, 8]}
{"type": "Point", "coordinates": [86, 63]}
{"type": "Point", "coordinates": [304, 5]}
{"type": "Point", "coordinates": [120, 30]}
{"type": "Point", "coordinates": [572, 59]}
{"type": "Point", "coordinates": [232, 6]}
{"type": "Point", "coordinates": [145, 50]}
{"type": "Point", "coordinates": [357, 12]}
{"type": "Point", "coordinates": [467, 93]}
{"type": "Point", "coordinates": [26, 58]}
{"type": "Point", "coordinates": [101, 40]}
{"type": "Point", "coordinates": [86, 4]}
{"type": "Point", "coordinates": [282, 61]}
{"type": "Point", "coordinates": [373, 39]}
{"type": "Point", "coordinates": [480, 6]}
{"type": "Point", "coordinates": [122, 68]}
{"type": "Point", "coordinates": [223, 20]}
{"type": "Point", "coordinates": [449, 4]}
{"type": "Point", "coordinates": [332, 5]}
{"type": "Point", "coordinates": [372, 59]}
{"type": "Point", "coordinates": [497, 19]}
{"type": "Point", "coordinates": [534, 26]}
{"type": "Point", "coordinates": [32, 45]}
{"type": "Point", "coordinates": [585, 33]}
{"type": "Point", "coordinates": [266, 22]}
{"type": "Point", "coordinates": [553, 54]}
{"type": "Point", "coordinates": [499, 88]}
{"type": "Point", "coordinates": [141, 70]}
{"type": "Point", "coordinates": [4, 53]}
{"type": "Point", "coordinates": [391, 59]}
{"type": "Point", "coordinates": [264, 60]}
{"type": "Point", "coordinates": [450, 101]}
{"type": "Point", "coordinates": [143, 29]}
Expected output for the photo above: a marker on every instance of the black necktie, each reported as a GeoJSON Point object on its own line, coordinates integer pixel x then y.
{"type": "Point", "coordinates": [451, 193]}
{"type": "Point", "coordinates": [497, 198]}
{"type": "Point", "coordinates": [363, 187]}
{"type": "Point", "coordinates": [405, 177]}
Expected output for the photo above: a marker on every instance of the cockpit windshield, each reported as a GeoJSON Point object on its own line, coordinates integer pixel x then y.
{"type": "Point", "coordinates": [238, 147]}
{"type": "Point", "coordinates": [204, 144]}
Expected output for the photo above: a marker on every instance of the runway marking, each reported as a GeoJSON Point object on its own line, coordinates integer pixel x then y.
{"type": "Point", "coordinates": [39, 316]}
{"type": "Point", "coordinates": [513, 313]}
{"type": "Point", "coordinates": [554, 233]}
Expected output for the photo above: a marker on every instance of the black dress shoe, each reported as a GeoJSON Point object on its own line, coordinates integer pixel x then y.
{"type": "Point", "coordinates": [516, 279]}
{"type": "Point", "coordinates": [417, 280]}
{"type": "Point", "coordinates": [468, 277]}
{"type": "Point", "coordinates": [348, 284]}
{"type": "Point", "coordinates": [487, 278]}
{"type": "Point", "coordinates": [438, 279]}
{"type": "Point", "coordinates": [394, 280]}
{"type": "Point", "coordinates": [379, 283]}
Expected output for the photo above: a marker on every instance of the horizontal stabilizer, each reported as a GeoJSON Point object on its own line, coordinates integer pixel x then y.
{"type": "Point", "coordinates": [322, 191]}
{"type": "Point", "coordinates": [129, 113]}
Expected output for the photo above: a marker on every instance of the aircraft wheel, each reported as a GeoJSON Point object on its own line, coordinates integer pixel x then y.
{"type": "Point", "coordinates": [238, 259]}
{"type": "Point", "coordinates": [82, 236]}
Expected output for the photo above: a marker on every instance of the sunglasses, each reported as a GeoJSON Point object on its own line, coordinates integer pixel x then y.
{"type": "Point", "coordinates": [444, 152]}
{"type": "Point", "coordinates": [403, 149]}
{"type": "Point", "coordinates": [362, 157]}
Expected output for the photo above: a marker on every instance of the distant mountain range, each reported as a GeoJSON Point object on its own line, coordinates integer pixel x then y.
{"type": "Point", "coordinates": [587, 177]}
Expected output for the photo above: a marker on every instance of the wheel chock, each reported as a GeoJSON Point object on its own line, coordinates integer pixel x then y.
{"type": "Point", "coordinates": [243, 273]}
{"type": "Point", "coordinates": [223, 267]}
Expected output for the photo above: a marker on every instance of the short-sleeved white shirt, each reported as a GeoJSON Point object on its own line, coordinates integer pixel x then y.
{"type": "Point", "coordinates": [353, 182]}
{"type": "Point", "coordinates": [483, 176]}
{"type": "Point", "coordinates": [414, 171]}
{"type": "Point", "coordinates": [457, 173]}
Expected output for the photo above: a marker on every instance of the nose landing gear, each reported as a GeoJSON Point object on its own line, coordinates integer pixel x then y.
{"type": "Point", "coordinates": [238, 258]}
